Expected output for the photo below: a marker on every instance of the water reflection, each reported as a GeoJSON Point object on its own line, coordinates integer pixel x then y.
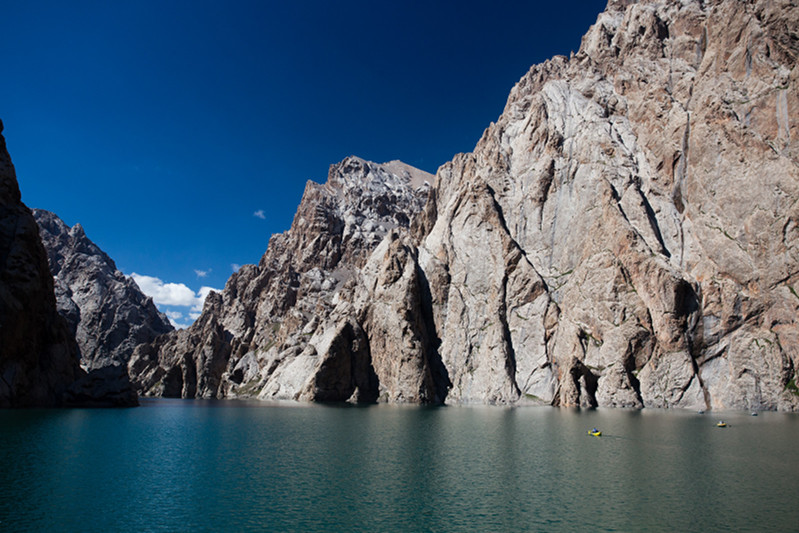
{"type": "Point", "coordinates": [178, 465]}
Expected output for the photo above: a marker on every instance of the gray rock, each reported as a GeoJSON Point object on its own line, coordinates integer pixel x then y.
{"type": "Point", "coordinates": [650, 182]}
{"type": "Point", "coordinates": [624, 235]}
{"type": "Point", "coordinates": [271, 332]}
{"type": "Point", "coordinates": [107, 386]}
{"type": "Point", "coordinates": [106, 310]}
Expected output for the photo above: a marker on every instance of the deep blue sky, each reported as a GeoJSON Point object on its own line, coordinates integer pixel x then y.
{"type": "Point", "coordinates": [162, 126]}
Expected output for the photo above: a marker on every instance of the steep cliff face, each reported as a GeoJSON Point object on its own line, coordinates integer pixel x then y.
{"type": "Point", "coordinates": [106, 311]}
{"type": "Point", "coordinates": [254, 337]}
{"type": "Point", "coordinates": [38, 357]}
{"type": "Point", "coordinates": [624, 235]}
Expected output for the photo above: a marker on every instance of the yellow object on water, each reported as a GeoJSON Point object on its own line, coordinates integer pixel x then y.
{"type": "Point", "coordinates": [721, 424]}
{"type": "Point", "coordinates": [596, 433]}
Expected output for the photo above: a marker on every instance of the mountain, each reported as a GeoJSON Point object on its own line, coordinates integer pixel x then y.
{"type": "Point", "coordinates": [38, 357]}
{"type": "Point", "coordinates": [106, 311]}
{"type": "Point", "coordinates": [253, 338]}
{"type": "Point", "coordinates": [624, 235]}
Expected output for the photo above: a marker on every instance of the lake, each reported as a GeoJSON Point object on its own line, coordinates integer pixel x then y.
{"type": "Point", "coordinates": [181, 465]}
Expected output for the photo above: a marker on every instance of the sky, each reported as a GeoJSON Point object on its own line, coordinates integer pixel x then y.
{"type": "Point", "coordinates": [180, 133]}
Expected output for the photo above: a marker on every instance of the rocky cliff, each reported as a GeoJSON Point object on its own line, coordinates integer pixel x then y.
{"type": "Point", "coordinates": [253, 338]}
{"type": "Point", "coordinates": [624, 235]}
{"type": "Point", "coordinates": [106, 311]}
{"type": "Point", "coordinates": [38, 357]}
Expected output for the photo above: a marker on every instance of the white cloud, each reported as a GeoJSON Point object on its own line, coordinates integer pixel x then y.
{"type": "Point", "coordinates": [165, 293]}
{"type": "Point", "coordinates": [173, 294]}
{"type": "Point", "coordinates": [202, 273]}
{"type": "Point", "coordinates": [260, 214]}
{"type": "Point", "coordinates": [177, 325]}
{"type": "Point", "coordinates": [174, 316]}
{"type": "Point", "coordinates": [235, 267]}
{"type": "Point", "coordinates": [194, 316]}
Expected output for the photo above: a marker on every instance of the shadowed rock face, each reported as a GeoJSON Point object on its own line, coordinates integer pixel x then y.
{"type": "Point", "coordinates": [38, 357]}
{"type": "Point", "coordinates": [624, 235]}
{"type": "Point", "coordinates": [106, 311]}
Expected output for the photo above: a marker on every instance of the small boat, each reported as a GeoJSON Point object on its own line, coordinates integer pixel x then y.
{"type": "Point", "coordinates": [721, 424]}
{"type": "Point", "coordinates": [594, 432]}
{"type": "Point", "coordinates": [754, 413]}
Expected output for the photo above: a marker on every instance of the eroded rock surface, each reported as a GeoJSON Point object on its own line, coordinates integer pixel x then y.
{"type": "Point", "coordinates": [106, 311]}
{"type": "Point", "coordinates": [624, 235]}
{"type": "Point", "coordinates": [270, 332]}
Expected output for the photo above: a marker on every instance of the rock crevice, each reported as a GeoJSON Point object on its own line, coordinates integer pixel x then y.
{"type": "Point", "coordinates": [623, 235]}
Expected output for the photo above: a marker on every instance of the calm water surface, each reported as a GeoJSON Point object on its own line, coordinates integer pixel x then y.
{"type": "Point", "coordinates": [176, 465]}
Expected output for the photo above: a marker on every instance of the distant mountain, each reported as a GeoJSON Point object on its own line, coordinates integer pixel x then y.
{"type": "Point", "coordinates": [106, 311]}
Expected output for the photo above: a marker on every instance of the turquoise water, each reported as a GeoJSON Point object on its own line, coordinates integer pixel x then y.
{"type": "Point", "coordinates": [175, 465]}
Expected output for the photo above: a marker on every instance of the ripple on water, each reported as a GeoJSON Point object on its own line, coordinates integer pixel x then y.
{"type": "Point", "coordinates": [180, 465]}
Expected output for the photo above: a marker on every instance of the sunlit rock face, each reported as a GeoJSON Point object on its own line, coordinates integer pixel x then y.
{"type": "Point", "coordinates": [38, 357]}
{"type": "Point", "coordinates": [106, 310]}
{"type": "Point", "coordinates": [269, 333]}
{"type": "Point", "coordinates": [624, 235]}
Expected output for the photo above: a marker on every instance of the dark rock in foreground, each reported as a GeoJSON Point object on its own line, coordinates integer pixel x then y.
{"type": "Point", "coordinates": [108, 386]}
{"type": "Point", "coordinates": [38, 356]}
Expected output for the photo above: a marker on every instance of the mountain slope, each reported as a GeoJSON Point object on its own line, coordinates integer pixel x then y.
{"type": "Point", "coordinates": [624, 234]}
{"type": "Point", "coordinates": [106, 311]}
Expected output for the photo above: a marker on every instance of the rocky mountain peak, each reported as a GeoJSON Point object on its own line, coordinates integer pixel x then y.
{"type": "Point", "coordinates": [630, 159]}
{"type": "Point", "coordinates": [393, 175]}
{"type": "Point", "coordinates": [267, 310]}
{"type": "Point", "coordinates": [39, 358]}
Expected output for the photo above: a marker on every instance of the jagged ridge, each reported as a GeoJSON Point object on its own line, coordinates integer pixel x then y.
{"type": "Point", "coordinates": [106, 311]}
{"type": "Point", "coordinates": [261, 322]}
